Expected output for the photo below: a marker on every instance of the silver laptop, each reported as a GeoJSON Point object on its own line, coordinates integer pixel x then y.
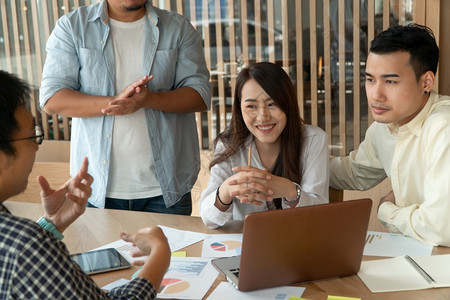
{"type": "Point", "coordinates": [282, 247]}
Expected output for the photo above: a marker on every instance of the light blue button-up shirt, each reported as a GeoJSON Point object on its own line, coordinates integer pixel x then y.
{"type": "Point", "coordinates": [80, 56]}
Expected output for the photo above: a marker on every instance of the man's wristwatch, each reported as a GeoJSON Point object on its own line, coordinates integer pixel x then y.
{"type": "Point", "coordinates": [299, 193]}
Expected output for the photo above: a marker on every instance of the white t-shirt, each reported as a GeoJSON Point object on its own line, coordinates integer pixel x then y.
{"type": "Point", "coordinates": [132, 172]}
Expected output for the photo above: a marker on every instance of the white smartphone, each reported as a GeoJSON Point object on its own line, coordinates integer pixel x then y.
{"type": "Point", "coordinates": [99, 261]}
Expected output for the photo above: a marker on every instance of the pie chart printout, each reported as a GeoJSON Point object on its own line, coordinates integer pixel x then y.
{"type": "Point", "coordinates": [173, 286]}
{"type": "Point", "coordinates": [226, 245]}
{"type": "Point", "coordinates": [222, 245]}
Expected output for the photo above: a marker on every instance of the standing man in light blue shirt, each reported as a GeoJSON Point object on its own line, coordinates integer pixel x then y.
{"type": "Point", "coordinates": [131, 76]}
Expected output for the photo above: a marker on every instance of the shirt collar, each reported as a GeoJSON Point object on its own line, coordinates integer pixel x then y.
{"type": "Point", "coordinates": [414, 126]}
{"type": "Point", "coordinates": [3, 209]}
{"type": "Point", "coordinates": [101, 13]}
{"type": "Point", "coordinates": [152, 14]}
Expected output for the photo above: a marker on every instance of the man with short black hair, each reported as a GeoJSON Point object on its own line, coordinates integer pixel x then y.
{"type": "Point", "coordinates": [409, 142]}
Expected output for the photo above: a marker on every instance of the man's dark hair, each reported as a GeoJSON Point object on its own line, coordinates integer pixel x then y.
{"type": "Point", "coordinates": [14, 93]}
{"type": "Point", "coordinates": [417, 40]}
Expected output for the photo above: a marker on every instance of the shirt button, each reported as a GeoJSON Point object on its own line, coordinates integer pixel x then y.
{"type": "Point", "coordinates": [108, 135]}
{"type": "Point", "coordinates": [105, 162]}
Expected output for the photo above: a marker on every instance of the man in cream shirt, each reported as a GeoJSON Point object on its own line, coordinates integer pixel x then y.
{"type": "Point", "coordinates": [409, 142]}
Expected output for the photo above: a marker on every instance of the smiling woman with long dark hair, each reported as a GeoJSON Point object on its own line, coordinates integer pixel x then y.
{"type": "Point", "coordinates": [267, 158]}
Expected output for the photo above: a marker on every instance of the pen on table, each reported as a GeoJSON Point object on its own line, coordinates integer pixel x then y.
{"type": "Point", "coordinates": [250, 156]}
{"type": "Point", "coordinates": [419, 269]}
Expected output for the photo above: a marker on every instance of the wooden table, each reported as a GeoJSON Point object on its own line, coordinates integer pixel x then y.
{"type": "Point", "coordinates": [98, 227]}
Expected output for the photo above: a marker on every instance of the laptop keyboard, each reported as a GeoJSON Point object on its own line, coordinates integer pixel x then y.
{"type": "Point", "coordinates": [235, 272]}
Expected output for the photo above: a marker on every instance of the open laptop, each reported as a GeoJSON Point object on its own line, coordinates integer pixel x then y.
{"type": "Point", "coordinates": [282, 247]}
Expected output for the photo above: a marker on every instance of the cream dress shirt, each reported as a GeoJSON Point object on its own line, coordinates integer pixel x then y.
{"type": "Point", "coordinates": [416, 157]}
{"type": "Point", "coordinates": [315, 178]}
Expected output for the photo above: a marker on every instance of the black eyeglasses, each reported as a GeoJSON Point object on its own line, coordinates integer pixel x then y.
{"type": "Point", "coordinates": [37, 138]}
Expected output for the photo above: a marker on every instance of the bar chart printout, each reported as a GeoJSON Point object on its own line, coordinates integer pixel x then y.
{"type": "Point", "coordinates": [394, 245]}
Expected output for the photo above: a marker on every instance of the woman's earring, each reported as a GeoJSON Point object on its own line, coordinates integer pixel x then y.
{"type": "Point", "coordinates": [425, 92]}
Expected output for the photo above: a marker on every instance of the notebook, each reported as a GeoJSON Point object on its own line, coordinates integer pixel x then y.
{"type": "Point", "coordinates": [405, 273]}
{"type": "Point", "coordinates": [281, 247]}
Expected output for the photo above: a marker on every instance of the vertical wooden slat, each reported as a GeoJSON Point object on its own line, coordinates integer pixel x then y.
{"type": "Point", "coordinates": [180, 7]}
{"type": "Point", "coordinates": [401, 12]}
{"type": "Point", "coordinates": [370, 37]}
{"type": "Point", "coordinates": [37, 41]}
{"type": "Point", "coordinates": [207, 43]}
{"type": "Point", "coordinates": [55, 117]}
{"type": "Point", "coordinates": [327, 73]}
{"type": "Point", "coordinates": [220, 67]}
{"type": "Point", "coordinates": [271, 25]}
{"type": "Point", "coordinates": [167, 5]}
{"type": "Point", "coordinates": [386, 14]}
{"type": "Point", "coordinates": [244, 35]}
{"type": "Point", "coordinates": [7, 42]}
{"type": "Point", "coordinates": [342, 120]}
{"type": "Point", "coordinates": [55, 9]}
{"type": "Point", "coordinates": [28, 52]}
{"type": "Point", "coordinates": [66, 6]}
{"type": "Point", "coordinates": [198, 115]}
{"type": "Point", "coordinates": [356, 75]}
{"type": "Point", "coordinates": [299, 55]}
{"type": "Point", "coordinates": [2, 67]}
{"type": "Point", "coordinates": [433, 21]}
{"type": "Point", "coordinates": [38, 59]}
{"type": "Point", "coordinates": [46, 22]}
{"type": "Point", "coordinates": [444, 45]}
{"type": "Point", "coordinates": [285, 34]}
{"type": "Point", "coordinates": [66, 128]}
{"type": "Point", "coordinates": [1, 35]}
{"type": "Point", "coordinates": [232, 41]}
{"type": "Point", "coordinates": [66, 120]}
{"type": "Point", "coordinates": [192, 11]}
{"type": "Point", "coordinates": [313, 60]}
{"type": "Point", "coordinates": [432, 15]}
{"type": "Point", "coordinates": [57, 12]}
{"type": "Point", "coordinates": [419, 11]}
{"type": "Point", "coordinates": [258, 39]}
{"type": "Point", "coordinates": [16, 38]}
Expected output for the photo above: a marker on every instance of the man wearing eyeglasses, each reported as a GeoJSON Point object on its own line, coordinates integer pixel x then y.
{"type": "Point", "coordinates": [38, 136]}
{"type": "Point", "coordinates": [34, 263]}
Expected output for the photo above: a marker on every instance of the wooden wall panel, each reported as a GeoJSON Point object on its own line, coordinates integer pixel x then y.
{"type": "Point", "coordinates": [297, 35]}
